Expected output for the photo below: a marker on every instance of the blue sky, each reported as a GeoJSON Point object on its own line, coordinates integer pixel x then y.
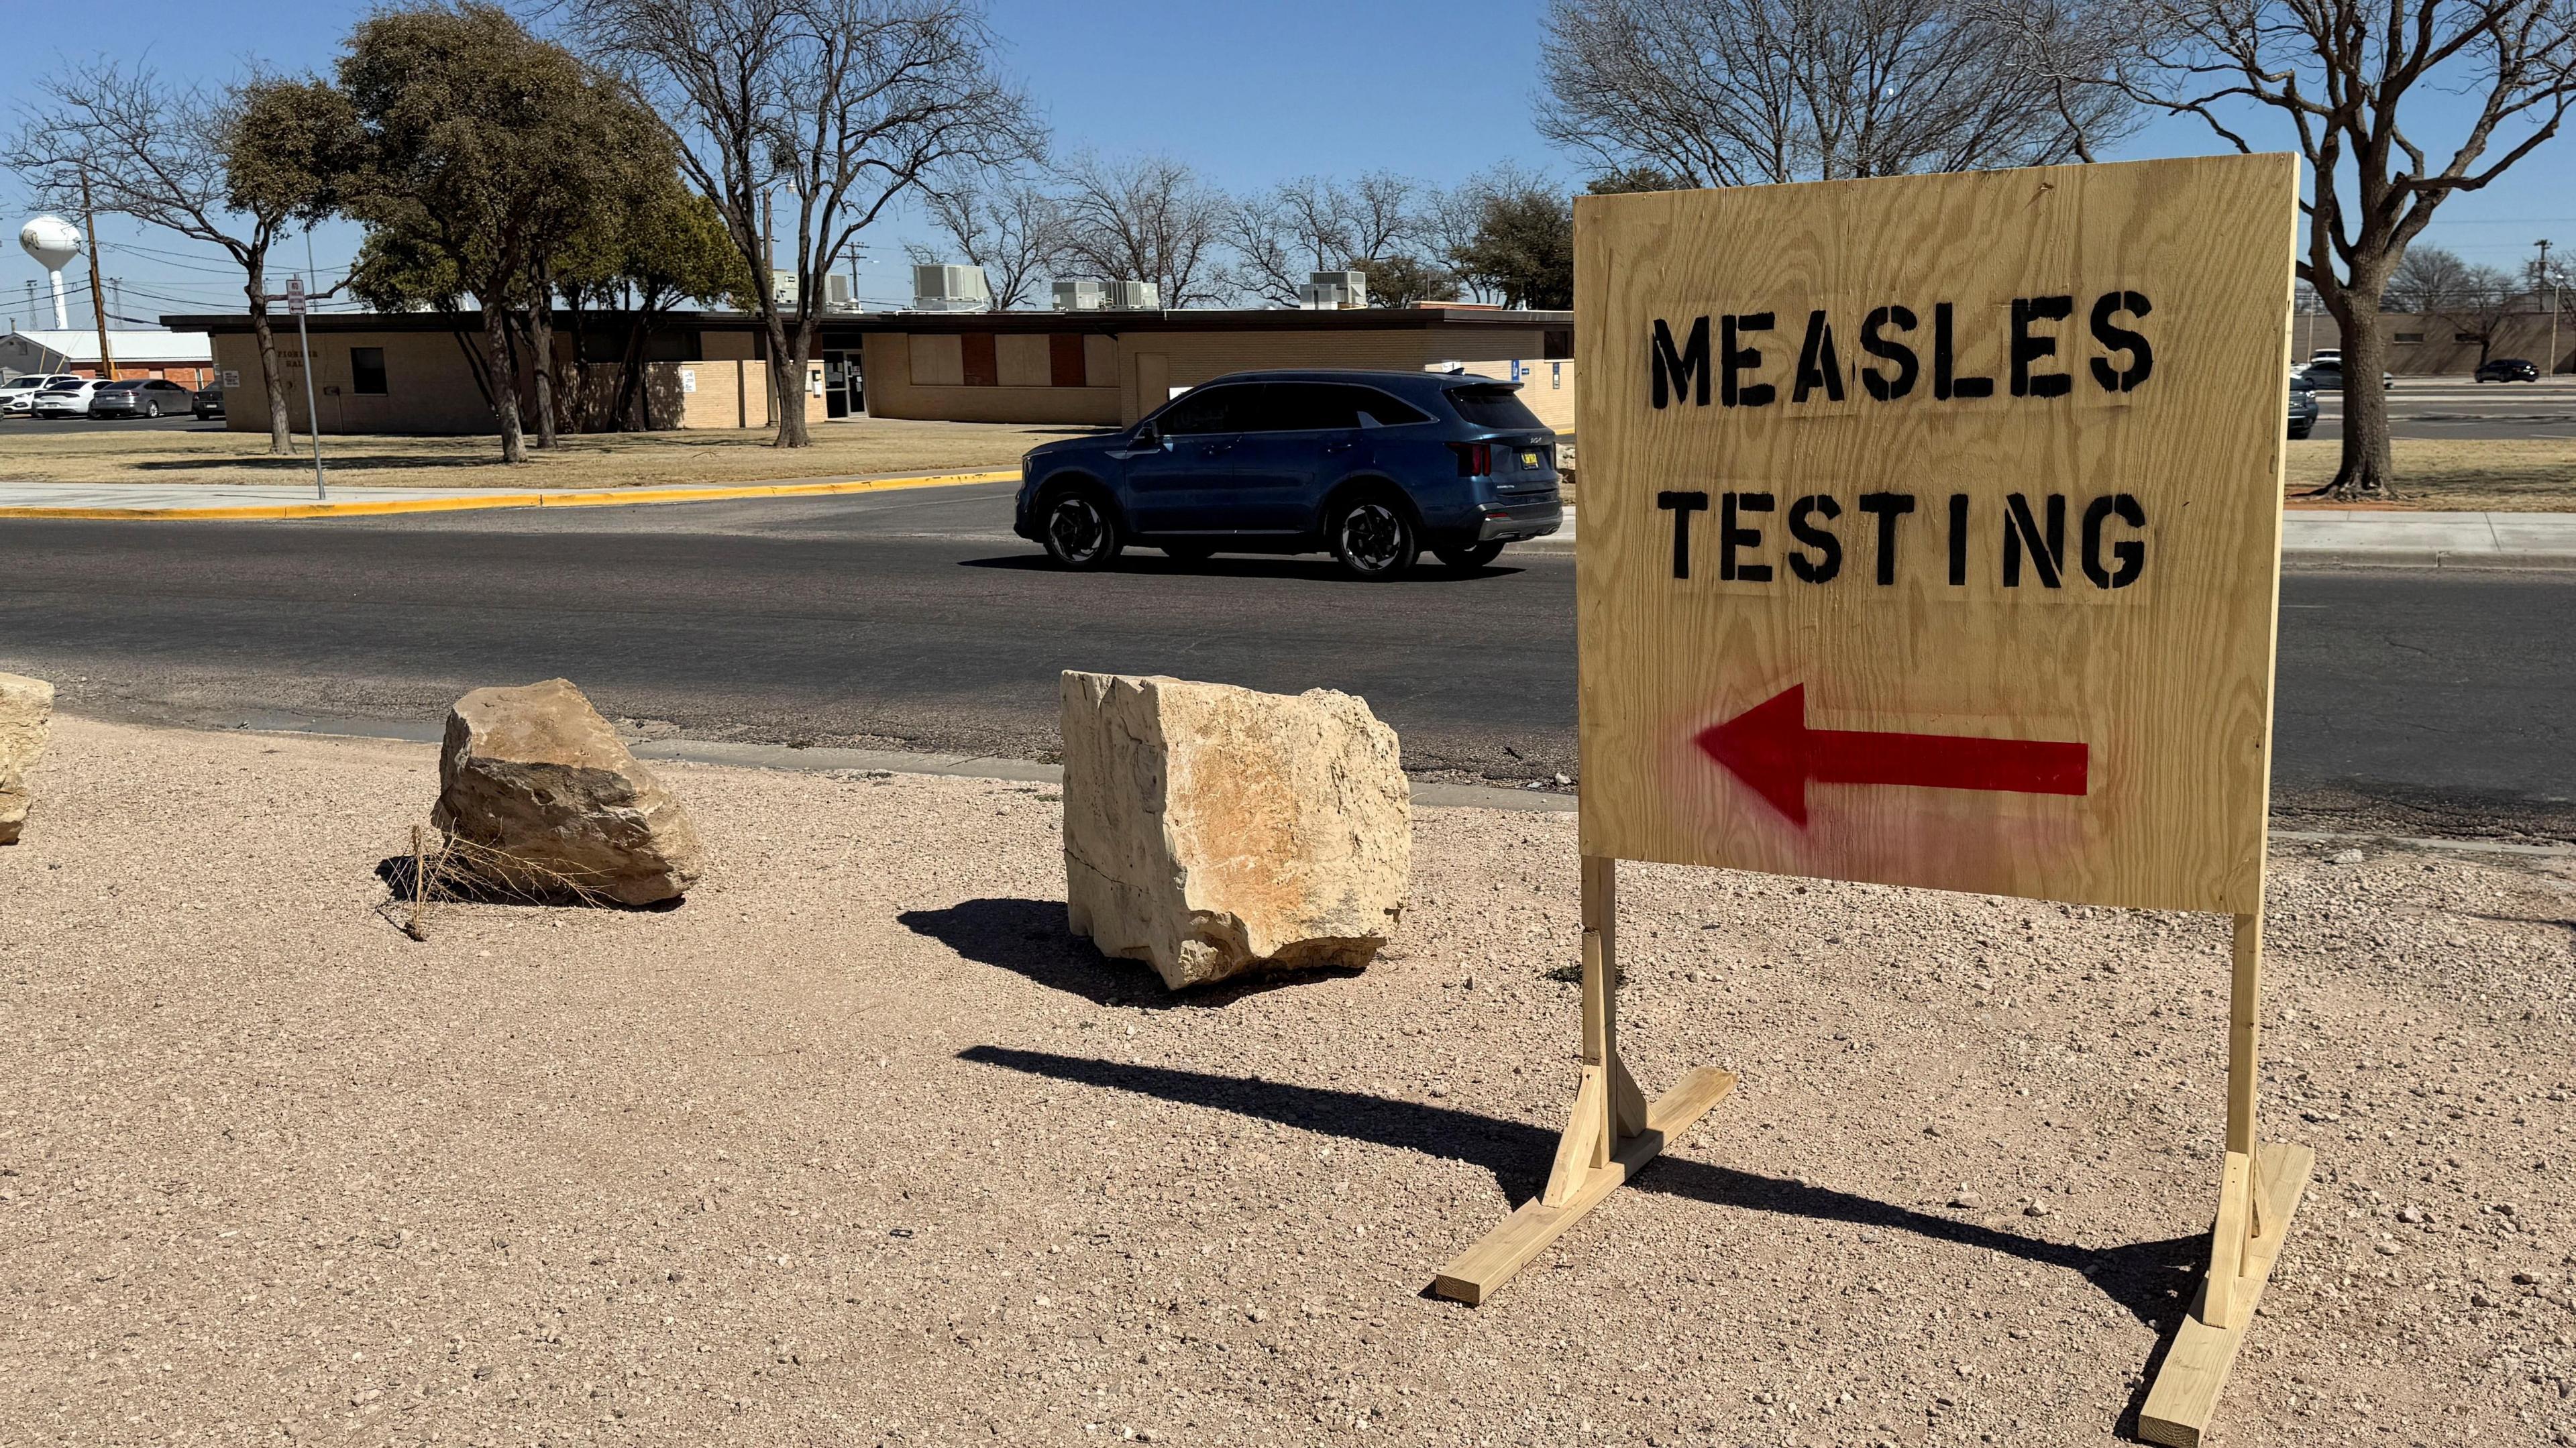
{"type": "Point", "coordinates": [1249, 91]}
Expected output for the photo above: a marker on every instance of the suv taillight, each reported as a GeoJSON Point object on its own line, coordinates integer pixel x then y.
{"type": "Point", "coordinates": [1475, 459]}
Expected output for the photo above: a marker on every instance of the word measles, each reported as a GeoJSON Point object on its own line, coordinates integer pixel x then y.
{"type": "Point", "coordinates": [2107, 551]}
{"type": "Point", "coordinates": [1892, 336]}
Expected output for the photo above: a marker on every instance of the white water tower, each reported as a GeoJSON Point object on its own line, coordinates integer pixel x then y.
{"type": "Point", "coordinates": [53, 242]}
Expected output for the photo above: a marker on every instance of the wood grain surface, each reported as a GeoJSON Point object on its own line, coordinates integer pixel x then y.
{"type": "Point", "coordinates": [2110, 599]}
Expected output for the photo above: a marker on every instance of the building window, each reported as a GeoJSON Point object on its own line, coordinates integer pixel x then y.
{"type": "Point", "coordinates": [2406, 338]}
{"type": "Point", "coordinates": [981, 367]}
{"type": "Point", "coordinates": [1064, 360]}
{"type": "Point", "coordinates": [2464, 336]}
{"type": "Point", "coordinates": [367, 371]}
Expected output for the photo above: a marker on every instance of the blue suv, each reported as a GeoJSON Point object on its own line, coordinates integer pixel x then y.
{"type": "Point", "coordinates": [1372, 466]}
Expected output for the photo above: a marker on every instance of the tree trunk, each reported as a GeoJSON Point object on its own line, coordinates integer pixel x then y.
{"type": "Point", "coordinates": [272, 378]}
{"type": "Point", "coordinates": [541, 360]}
{"type": "Point", "coordinates": [787, 380]}
{"type": "Point", "coordinates": [630, 380]}
{"type": "Point", "coordinates": [505, 383]}
{"type": "Point", "coordinates": [2367, 471]}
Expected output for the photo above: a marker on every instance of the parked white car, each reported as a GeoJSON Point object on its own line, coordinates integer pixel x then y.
{"type": "Point", "coordinates": [67, 398]}
{"type": "Point", "coordinates": [18, 394]}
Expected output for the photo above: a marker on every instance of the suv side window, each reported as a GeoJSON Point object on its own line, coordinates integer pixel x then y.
{"type": "Point", "coordinates": [1217, 409]}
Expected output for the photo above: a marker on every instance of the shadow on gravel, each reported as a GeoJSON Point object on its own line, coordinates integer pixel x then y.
{"type": "Point", "coordinates": [1029, 937]}
{"type": "Point", "coordinates": [2151, 1280]}
{"type": "Point", "coordinates": [1152, 565]}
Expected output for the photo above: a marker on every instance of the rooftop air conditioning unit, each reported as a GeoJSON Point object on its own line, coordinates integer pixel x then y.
{"type": "Point", "coordinates": [836, 294]}
{"type": "Point", "coordinates": [782, 287]}
{"type": "Point", "coordinates": [1333, 290]}
{"type": "Point", "coordinates": [1132, 296]}
{"type": "Point", "coordinates": [950, 289]}
{"type": "Point", "coordinates": [1078, 296]}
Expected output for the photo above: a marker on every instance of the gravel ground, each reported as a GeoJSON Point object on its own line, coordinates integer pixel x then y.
{"type": "Point", "coordinates": [854, 1147]}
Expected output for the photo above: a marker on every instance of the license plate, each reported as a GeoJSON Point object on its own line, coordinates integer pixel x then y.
{"type": "Point", "coordinates": [1529, 459]}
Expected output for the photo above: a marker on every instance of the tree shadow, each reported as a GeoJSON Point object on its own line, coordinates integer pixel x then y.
{"type": "Point", "coordinates": [1316, 569]}
{"type": "Point", "coordinates": [2153, 1281]}
{"type": "Point", "coordinates": [1030, 938]}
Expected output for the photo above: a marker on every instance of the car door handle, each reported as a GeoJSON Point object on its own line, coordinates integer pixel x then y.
{"type": "Point", "coordinates": [1216, 448]}
{"type": "Point", "coordinates": [1336, 447]}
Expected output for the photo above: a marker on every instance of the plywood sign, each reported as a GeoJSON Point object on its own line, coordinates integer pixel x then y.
{"type": "Point", "coordinates": [1930, 527]}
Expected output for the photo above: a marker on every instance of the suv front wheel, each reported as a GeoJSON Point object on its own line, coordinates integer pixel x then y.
{"type": "Point", "coordinates": [1080, 532]}
{"type": "Point", "coordinates": [1374, 539]}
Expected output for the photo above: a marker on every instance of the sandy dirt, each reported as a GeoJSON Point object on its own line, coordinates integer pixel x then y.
{"type": "Point", "coordinates": [855, 1147]}
{"type": "Point", "coordinates": [865, 448]}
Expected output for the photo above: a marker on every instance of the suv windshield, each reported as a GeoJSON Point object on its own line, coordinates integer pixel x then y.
{"type": "Point", "coordinates": [1492, 405]}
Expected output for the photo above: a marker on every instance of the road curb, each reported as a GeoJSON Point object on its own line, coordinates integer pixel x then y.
{"type": "Point", "coordinates": [590, 498]}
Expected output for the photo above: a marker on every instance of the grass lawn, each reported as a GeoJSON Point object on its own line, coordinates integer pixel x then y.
{"type": "Point", "coordinates": [2524, 475]}
{"type": "Point", "coordinates": [30, 452]}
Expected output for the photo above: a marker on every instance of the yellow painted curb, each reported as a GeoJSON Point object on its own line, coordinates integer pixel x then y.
{"type": "Point", "coordinates": [599, 498]}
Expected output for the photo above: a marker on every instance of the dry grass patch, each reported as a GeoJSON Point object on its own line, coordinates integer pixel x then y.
{"type": "Point", "coordinates": [2523, 475]}
{"type": "Point", "coordinates": [868, 447]}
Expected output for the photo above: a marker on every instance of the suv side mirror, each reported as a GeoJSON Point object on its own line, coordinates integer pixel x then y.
{"type": "Point", "coordinates": [1147, 436]}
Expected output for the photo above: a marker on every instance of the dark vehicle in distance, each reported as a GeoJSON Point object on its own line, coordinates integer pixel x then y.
{"type": "Point", "coordinates": [208, 402]}
{"type": "Point", "coordinates": [1372, 467]}
{"type": "Point", "coordinates": [2508, 369]}
{"type": "Point", "coordinates": [2303, 408]}
{"type": "Point", "coordinates": [140, 397]}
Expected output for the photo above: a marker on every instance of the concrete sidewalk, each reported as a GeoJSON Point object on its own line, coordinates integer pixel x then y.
{"type": "Point", "coordinates": [2375, 538]}
{"type": "Point", "coordinates": [194, 502]}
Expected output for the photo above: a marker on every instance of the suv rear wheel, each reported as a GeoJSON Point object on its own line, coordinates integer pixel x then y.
{"type": "Point", "coordinates": [1080, 532]}
{"type": "Point", "coordinates": [1374, 539]}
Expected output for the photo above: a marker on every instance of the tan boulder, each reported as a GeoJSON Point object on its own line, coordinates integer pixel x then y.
{"type": "Point", "coordinates": [26, 717]}
{"type": "Point", "coordinates": [552, 805]}
{"type": "Point", "coordinates": [1211, 830]}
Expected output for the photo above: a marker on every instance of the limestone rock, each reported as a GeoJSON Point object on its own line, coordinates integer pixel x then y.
{"type": "Point", "coordinates": [1211, 830]}
{"type": "Point", "coordinates": [26, 716]}
{"type": "Point", "coordinates": [535, 774]}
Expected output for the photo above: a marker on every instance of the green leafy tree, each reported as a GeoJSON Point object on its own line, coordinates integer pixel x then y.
{"type": "Point", "coordinates": [1401, 281]}
{"type": "Point", "coordinates": [660, 245]}
{"type": "Point", "coordinates": [486, 150]}
{"type": "Point", "coordinates": [1520, 242]}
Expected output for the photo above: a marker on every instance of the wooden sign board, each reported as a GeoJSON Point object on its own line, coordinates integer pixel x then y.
{"type": "Point", "coordinates": [1930, 535]}
{"type": "Point", "coordinates": [1930, 527]}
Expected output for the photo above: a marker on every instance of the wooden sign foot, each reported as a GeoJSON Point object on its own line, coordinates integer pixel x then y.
{"type": "Point", "coordinates": [1485, 1267]}
{"type": "Point", "coordinates": [2256, 1215]}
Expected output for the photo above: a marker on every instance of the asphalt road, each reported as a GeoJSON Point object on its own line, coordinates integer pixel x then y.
{"type": "Point", "coordinates": [2415, 702]}
{"type": "Point", "coordinates": [2455, 407]}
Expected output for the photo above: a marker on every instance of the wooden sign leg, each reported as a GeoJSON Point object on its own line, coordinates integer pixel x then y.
{"type": "Point", "coordinates": [2258, 1195]}
{"type": "Point", "coordinates": [1613, 1131]}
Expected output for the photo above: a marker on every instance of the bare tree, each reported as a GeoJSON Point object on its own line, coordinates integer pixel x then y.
{"type": "Point", "coordinates": [1728, 92]}
{"type": "Point", "coordinates": [1009, 226]}
{"type": "Point", "coordinates": [1311, 224]}
{"type": "Point", "coordinates": [2361, 85]}
{"type": "Point", "coordinates": [236, 169]}
{"type": "Point", "coordinates": [2430, 279]}
{"type": "Point", "coordinates": [1149, 219]}
{"type": "Point", "coordinates": [846, 105]}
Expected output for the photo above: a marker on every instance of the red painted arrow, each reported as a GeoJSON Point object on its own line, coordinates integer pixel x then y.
{"type": "Point", "coordinates": [1771, 749]}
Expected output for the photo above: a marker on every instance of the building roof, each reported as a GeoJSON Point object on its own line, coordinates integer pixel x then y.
{"type": "Point", "coordinates": [1193, 319]}
{"type": "Point", "coordinates": [80, 345]}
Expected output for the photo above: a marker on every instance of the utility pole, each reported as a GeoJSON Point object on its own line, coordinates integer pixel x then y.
{"type": "Point", "coordinates": [2551, 278]}
{"type": "Point", "coordinates": [97, 296]}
